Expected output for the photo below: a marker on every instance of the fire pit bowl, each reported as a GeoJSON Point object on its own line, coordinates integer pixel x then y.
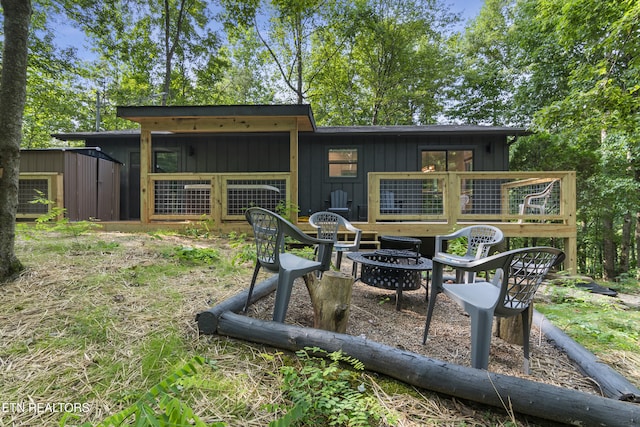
{"type": "Point", "coordinates": [391, 269]}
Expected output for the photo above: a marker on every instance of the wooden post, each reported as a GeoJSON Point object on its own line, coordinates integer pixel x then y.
{"type": "Point", "coordinates": [331, 297]}
{"type": "Point", "coordinates": [146, 167]}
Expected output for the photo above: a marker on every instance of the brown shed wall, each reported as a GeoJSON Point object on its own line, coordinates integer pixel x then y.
{"type": "Point", "coordinates": [91, 184]}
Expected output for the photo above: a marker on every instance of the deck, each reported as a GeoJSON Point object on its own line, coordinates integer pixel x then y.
{"type": "Point", "coordinates": [404, 204]}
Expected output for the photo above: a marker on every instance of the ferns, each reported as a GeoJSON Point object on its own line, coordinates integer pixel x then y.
{"type": "Point", "coordinates": [323, 392]}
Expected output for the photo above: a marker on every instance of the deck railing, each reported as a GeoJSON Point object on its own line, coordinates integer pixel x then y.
{"type": "Point", "coordinates": [452, 197]}
{"type": "Point", "coordinates": [222, 197]}
{"type": "Point", "coordinates": [39, 185]}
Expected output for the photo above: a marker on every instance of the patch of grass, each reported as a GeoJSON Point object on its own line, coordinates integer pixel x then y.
{"type": "Point", "coordinates": [602, 326]}
{"type": "Point", "coordinates": [100, 318]}
{"type": "Point", "coordinates": [90, 326]}
{"type": "Point", "coordinates": [626, 284]}
{"type": "Point", "coordinates": [195, 256]}
{"type": "Point", "coordinates": [160, 351]}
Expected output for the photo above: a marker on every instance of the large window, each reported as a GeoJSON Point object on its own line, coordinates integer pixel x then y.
{"type": "Point", "coordinates": [443, 161]}
{"type": "Point", "coordinates": [343, 162]}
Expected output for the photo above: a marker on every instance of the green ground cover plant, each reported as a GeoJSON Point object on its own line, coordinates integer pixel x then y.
{"type": "Point", "coordinates": [603, 325]}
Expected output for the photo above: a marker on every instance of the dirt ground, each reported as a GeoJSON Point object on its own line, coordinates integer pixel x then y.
{"type": "Point", "coordinates": [373, 315]}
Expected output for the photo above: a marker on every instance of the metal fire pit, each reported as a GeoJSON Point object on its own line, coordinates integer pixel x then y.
{"type": "Point", "coordinates": [391, 269]}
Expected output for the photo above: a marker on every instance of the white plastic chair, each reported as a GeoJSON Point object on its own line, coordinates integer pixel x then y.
{"type": "Point", "coordinates": [518, 273]}
{"type": "Point", "coordinates": [480, 239]}
{"type": "Point", "coordinates": [328, 225]}
{"type": "Point", "coordinates": [536, 203]}
{"type": "Point", "coordinates": [270, 230]}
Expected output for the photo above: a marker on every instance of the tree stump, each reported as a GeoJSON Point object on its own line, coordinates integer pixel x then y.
{"type": "Point", "coordinates": [510, 328]}
{"type": "Point", "coordinates": [331, 298]}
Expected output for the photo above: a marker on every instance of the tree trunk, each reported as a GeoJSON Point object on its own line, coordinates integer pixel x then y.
{"type": "Point", "coordinates": [625, 243]}
{"type": "Point", "coordinates": [608, 246]}
{"type": "Point", "coordinates": [331, 298]}
{"type": "Point", "coordinates": [638, 244]}
{"type": "Point", "coordinates": [13, 88]}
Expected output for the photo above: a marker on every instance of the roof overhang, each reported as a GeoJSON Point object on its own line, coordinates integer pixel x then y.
{"type": "Point", "coordinates": [221, 118]}
{"type": "Point", "coordinates": [426, 130]}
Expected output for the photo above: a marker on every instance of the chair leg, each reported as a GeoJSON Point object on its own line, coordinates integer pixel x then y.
{"type": "Point", "coordinates": [432, 303]}
{"type": "Point", "coordinates": [436, 285]}
{"type": "Point", "coordinates": [525, 338]}
{"type": "Point", "coordinates": [481, 323]}
{"type": "Point", "coordinates": [253, 283]}
{"type": "Point", "coordinates": [283, 295]}
{"type": "Point", "coordinates": [338, 259]}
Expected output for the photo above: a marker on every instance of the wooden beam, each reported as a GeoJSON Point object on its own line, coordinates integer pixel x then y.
{"type": "Point", "coordinates": [146, 163]}
{"type": "Point", "coordinates": [293, 170]}
{"type": "Point", "coordinates": [220, 124]}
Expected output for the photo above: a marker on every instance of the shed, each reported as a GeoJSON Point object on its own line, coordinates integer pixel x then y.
{"type": "Point", "coordinates": [85, 180]}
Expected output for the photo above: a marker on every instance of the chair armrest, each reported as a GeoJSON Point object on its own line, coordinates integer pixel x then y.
{"type": "Point", "coordinates": [483, 250]}
{"type": "Point", "coordinates": [294, 232]}
{"type": "Point", "coordinates": [465, 264]}
{"type": "Point", "coordinates": [355, 230]}
{"type": "Point", "coordinates": [451, 236]}
{"type": "Point", "coordinates": [302, 237]}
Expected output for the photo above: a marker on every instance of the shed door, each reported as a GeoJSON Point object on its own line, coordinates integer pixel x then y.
{"type": "Point", "coordinates": [108, 191]}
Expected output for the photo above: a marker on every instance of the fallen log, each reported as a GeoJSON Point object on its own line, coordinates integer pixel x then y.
{"type": "Point", "coordinates": [611, 383]}
{"type": "Point", "coordinates": [208, 319]}
{"type": "Point", "coordinates": [522, 396]}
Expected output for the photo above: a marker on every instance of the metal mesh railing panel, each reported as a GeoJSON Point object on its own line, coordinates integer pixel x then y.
{"type": "Point", "coordinates": [182, 197]}
{"type": "Point", "coordinates": [246, 193]}
{"type": "Point", "coordinates": [28, 191]}
{"type": "Point", "coordinates": [551, 201]}
{"type": "Point", "coordinates": [411, 196]}
{"type": "Point", "coordinates": [506, 196]}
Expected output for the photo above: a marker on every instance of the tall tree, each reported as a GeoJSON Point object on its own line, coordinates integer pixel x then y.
{"type": "Point", "coordinates": [152, 49]}
{"type": "Point", "coordinates": [13, 83]}
{"type": "Point", "coordinates": [487, 81]}
{"type": "Point", "coordinates": [391, 68]}
{"type": "Point", "coordinates": [287, 29]}
{"type": "Point", "coordinates": [588, 97]}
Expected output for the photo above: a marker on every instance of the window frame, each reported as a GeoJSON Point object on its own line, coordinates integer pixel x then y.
{"type": "Point", "coordinates": [357, 162]}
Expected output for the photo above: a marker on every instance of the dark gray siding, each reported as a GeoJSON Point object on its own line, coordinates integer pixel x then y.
{"type": "Point", "coordinates": [382, 153]}
{"type": "Point", "coordinates": [378, 152]}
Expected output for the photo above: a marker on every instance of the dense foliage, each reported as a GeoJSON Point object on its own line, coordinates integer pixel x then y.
{"type": "Point", "coordinates": [568, 69]}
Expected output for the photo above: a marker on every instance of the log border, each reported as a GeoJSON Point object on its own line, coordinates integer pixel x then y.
{"type": "Point", "coordinates": [523, 396]}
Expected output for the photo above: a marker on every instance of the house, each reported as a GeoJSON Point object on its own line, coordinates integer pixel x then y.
{"type": "Point", "coordinates": [215, 161]}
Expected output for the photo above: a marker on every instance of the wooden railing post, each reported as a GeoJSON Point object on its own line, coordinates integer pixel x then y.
{"type": "Point", "coordinates": [215, 198]}
{"type": "Point", "coordinates": [451, 193]}
{"type": "Point", "coordinates": [374, 197]}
